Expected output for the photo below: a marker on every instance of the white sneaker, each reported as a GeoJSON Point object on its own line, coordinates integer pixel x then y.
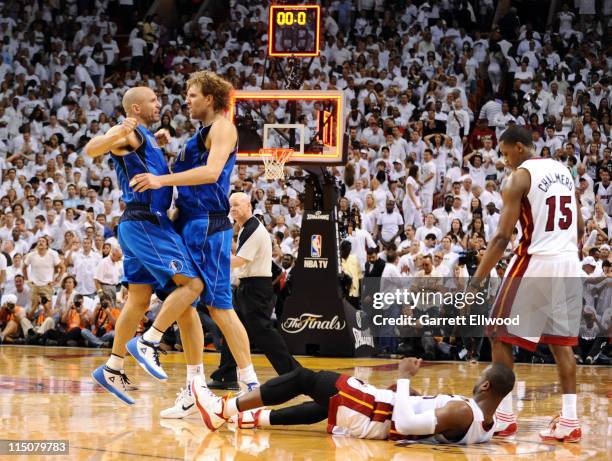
{"type": "Point", "coordinates": [113, 381]}
{"type": "Point", "coordinates": [184, 405]}
{"type": "Point", "coordinates": [245, 388]}
{"type": "Point", "coordinates": [562, 430]}
{"type": "Point", "coordinates": [249, 419]}
{"type": "Point", "coordinates": [505, 424]}
{"type": "Point", "coordinates": [147, 356]}
{"type": "Point", "coordinates": [208, 404]}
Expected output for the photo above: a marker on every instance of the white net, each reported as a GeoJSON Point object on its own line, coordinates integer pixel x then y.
{"type": "Point", "coordinates": [274, 160]}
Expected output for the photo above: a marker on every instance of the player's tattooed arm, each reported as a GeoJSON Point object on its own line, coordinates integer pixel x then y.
{"type": "Point", "coordinates": [516, 189]}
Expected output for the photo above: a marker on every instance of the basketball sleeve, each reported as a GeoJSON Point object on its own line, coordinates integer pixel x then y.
{"type": "Point", "coordinates": [407, 422]}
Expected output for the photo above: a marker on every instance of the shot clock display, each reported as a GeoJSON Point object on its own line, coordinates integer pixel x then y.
{"type": "Point", "coordinates": [294, 30]}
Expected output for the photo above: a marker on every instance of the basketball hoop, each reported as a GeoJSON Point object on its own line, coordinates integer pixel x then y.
{"type": "Point", "coordinates": [274, 159]}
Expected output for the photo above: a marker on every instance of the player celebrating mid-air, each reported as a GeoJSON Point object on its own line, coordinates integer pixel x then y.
{"type": "Point", "coordinates": [540, 194]}
{"type": "Point", "coordinates": [202, 175]}
{"type": "Point", "coordinates": [360, 410]}
{"type": "Point", "coordinates": [155, 256]}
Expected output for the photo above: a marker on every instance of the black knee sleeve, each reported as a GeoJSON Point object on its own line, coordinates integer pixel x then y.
{"type": "Point", "coordinates": [319, 386]}
{"type": "Point", "coordinates": [285, 387]}
{"type": "Point", "coordinates": [305, 413]}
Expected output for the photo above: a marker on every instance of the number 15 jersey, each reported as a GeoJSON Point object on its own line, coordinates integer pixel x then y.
{"type": "Point", "coordinates": [549, 212]}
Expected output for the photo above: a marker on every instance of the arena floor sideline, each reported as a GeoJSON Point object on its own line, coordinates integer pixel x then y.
{"type": "Point", "coordinates": [46, 393]}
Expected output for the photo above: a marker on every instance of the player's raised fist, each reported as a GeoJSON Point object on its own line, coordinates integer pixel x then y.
{"type": "Point", "coordinates": [409, 366]}
{"type": "Point", "coordinates": [127, 126]}
{"type": "Point", "coordinates": [163, 137]}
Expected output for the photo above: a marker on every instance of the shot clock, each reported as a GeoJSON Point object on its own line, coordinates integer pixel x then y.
{"type": "Point", "coordinates": [294, 30]}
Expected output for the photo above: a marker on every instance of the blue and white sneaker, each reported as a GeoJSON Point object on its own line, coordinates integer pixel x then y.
{"type": "Point", "coordinates": [245, 388]}
{"type": "Point", "coordinates": [147, 355]}
{"type": "Point", "coordinates": [114, 382]}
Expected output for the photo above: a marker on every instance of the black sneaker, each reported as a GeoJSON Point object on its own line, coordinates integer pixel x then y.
{"type": "Point", "coordinates": [604, 359]}
{"type": "Point", "coordinates": [32, 338]}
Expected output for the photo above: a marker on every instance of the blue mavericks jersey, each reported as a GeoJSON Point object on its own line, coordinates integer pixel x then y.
{"type": "Point", "coordinates": [148, 158]}
{"type": "Point", "coordinates": [205, 197]}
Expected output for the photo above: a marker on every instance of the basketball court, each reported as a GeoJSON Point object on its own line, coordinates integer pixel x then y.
{"type": "Point", "coordinates": [45, 394]}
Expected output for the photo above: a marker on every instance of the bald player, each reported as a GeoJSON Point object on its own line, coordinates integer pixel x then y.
{"type": "Point", "coordinates": [202, 175]}
{"type": "Point", "coordinates": [155, 256]}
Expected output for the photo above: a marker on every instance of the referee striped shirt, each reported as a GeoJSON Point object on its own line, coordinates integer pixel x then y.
{"type": "Point", "coordinates": [255, 246]}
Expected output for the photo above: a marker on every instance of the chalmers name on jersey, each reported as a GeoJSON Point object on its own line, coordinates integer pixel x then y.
{"type": "Point", "coordinates": [549, 212]}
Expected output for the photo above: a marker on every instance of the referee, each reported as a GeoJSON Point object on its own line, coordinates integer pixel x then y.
{"type": "Point", "coordinates": [255, 296]}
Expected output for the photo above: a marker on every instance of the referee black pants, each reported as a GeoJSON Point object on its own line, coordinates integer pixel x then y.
{"type": "Point", "coordinates": [254, 299]}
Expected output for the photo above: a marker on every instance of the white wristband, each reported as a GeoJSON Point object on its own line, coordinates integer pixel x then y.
{"type": "Point", "coordinates": [403, 386]}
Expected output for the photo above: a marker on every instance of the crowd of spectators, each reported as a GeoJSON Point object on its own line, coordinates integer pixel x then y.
{"type": "Point", "coordinates": [430, 86]}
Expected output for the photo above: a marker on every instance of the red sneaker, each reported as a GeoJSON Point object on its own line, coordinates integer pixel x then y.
{"type": "Point", "coordinates": [208, 404]}
{"type": "Point", "coordinates": [562, 430]}
{"type": "Point", "coordinates": [505, 424]}
{"type": "Point", "coordinates": [249, 419]}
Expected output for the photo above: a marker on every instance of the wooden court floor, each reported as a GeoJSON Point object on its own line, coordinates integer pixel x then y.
{"type": "Point", "coordinates": [46, 393]}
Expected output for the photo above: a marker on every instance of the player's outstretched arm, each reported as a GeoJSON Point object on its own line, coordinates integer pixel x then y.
{"type": "Point", "coordinates": [406, 421]}
{"type": "Point", "coordinates": [452, 420]}
{"type": "Point", "coordinates": [517, 187]}
{"type": "Point", "coordinates": [408, 367]}
{"type": "Point", "coordinates": [115, 140]}
{"type": "Point", "coordinates": [223, 139]}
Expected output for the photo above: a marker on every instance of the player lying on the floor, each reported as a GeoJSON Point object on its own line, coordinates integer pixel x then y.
{"type": "Point", "coordinates": [360, 410]}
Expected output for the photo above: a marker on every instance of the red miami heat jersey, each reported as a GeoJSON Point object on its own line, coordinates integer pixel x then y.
{"type": "Point", "coordinates": [549, 212]}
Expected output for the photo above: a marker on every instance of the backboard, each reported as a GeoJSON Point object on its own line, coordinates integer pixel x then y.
{"type": "Point", "coordinates": [311, 122]}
